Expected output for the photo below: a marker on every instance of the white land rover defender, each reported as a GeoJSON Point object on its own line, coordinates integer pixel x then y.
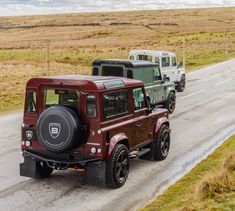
{"type": "Point", "coordinates": [167, 62]}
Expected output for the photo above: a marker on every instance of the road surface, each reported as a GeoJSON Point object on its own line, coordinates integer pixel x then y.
{"type": "Point", "coordinates": [204, 116]}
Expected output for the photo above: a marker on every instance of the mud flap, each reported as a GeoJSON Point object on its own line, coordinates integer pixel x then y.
{"type": "Point", "coordinates": [28, 168]}
{"type": "Point", "coordinates": [149, 155]}
{"type": "Point", "coordinates": [96, 174]}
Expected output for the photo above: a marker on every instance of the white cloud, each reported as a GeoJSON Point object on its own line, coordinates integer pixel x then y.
{"type": "Point", "coordinates": [26, 7]}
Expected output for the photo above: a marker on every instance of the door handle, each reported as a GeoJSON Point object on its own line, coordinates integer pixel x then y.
{"type": "Point", "coordinates": [138, 125]}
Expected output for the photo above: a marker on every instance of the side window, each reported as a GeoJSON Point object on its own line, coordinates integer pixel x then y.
{"type": "Point", "coordinates": [165, 61]}
{"type": "Point", "coordinates": [144, 74]}
{"type": "Point", "coordinates": [91, 106]}
{"type": "Point", "coordinates": [139, 99]}
{"type": "Point", "coordinates": [129, 73]}
{"type": "Point", "coordinates": [173, 61]}
{"type": "Point", "coordinates": [156, 74]}
{"type": "Point", "coordinates": [95, 71]}
{"type": "Point", "coordinates": [31, 102]}
{"type": "Point", "coordinates": [115, 103]}
{"type": "Point", "coordinates": [157, 60]}
{"type": "Point", "coordinates": [145, 57]}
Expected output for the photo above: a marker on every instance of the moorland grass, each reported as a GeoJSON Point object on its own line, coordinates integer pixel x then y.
{"type": "Point", "coordinates": [77, 39]}
{"type": "Point", "coordinates": [208, 186]}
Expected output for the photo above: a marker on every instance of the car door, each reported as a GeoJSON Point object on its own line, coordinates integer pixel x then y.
{"type": "Point", "coordinates": [166, 67]}
{"type": "Point", "coordinates": [142, 127]}
{"type": "Point", "coordinates": [173, 68]}
{"type": "Point", "coordinates": [158, 88]}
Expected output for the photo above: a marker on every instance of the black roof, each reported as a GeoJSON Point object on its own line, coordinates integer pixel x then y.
{"type": "Point", "coordinates": [126, 63]}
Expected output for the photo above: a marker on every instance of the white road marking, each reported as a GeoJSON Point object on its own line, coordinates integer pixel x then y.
{"type": "Point", "coordinates": [192, 94]}
{"type": "Point", "coordinates": [223, 82]}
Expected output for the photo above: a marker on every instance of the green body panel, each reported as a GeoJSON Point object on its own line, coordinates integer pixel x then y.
{"type": "Point", "coordinates": [157, 89]}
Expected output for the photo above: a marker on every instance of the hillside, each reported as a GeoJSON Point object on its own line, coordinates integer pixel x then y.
{"type": "Point", "coordinates": [75, 40]}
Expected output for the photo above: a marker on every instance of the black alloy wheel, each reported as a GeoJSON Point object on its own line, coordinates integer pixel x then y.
{"type": "Point", "coordinates": [162, 143]}
{"type": "Point", "coordinates": [118, 167]}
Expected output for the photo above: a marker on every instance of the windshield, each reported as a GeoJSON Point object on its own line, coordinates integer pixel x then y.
{"type": "Point", "coordinates": [68, 98]}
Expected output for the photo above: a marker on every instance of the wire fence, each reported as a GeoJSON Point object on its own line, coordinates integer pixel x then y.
{"type": "Point", "coordinates": [22, 60]}
{"type": "Point", "coordinates": [193, 49]}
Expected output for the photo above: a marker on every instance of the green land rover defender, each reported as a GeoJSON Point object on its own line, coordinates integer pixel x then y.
{"type": "Point", "coordinates": [159, 89]}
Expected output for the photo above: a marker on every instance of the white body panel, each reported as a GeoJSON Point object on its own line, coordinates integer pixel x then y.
{"type": "Point", "coordinates": [167, 62]}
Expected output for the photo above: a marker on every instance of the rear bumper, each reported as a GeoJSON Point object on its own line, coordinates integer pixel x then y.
{"type": "Point", "coordinates": [95, 168]}
{"type": "Point", "coordinates": [54, 160]}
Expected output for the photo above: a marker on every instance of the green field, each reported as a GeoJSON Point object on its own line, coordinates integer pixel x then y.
{"type": "Point", "coordinates": [209, 186]}
{"type": "Point", "coordinates": [75, 40]}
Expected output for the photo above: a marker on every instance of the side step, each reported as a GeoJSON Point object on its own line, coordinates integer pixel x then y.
{"type": "Point", "coordinates": [139, 153]}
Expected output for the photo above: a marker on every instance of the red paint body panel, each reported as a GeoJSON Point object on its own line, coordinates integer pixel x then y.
{"type": "Point", "coordinates": [136, 127]}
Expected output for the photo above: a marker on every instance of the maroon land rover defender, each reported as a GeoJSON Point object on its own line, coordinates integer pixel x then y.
{"type": "Point", "coordinates": [90, 122]}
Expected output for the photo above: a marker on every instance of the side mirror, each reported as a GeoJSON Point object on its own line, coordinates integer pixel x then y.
{"type": "Point", "coordinates": [165, 78]}
{"type": "Point", "coordinates": [180, 64]}
{"type": "Point", "coordinates": [149, 110]}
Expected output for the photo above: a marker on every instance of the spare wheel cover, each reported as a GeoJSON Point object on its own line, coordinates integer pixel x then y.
{"type": "Point", "coordinates": [58, 129]}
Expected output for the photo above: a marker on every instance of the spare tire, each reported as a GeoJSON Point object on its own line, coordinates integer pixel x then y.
{"type": "Point", "coordinates": [59, 129]}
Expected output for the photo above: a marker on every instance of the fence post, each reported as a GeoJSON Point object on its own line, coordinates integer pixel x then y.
{"type": "Point", "coordinates": [226, 43]}
{"type": "Point", "coordinates": [184, 58]}
{"type": "Point", "coordinates": [48, 56]}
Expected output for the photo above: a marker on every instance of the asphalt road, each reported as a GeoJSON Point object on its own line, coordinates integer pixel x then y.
{"type": "Point", "coordinates": [204, 116]}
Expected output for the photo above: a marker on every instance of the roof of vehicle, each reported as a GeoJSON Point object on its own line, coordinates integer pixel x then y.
{"type": "Point", "coordinates": [125, 62]}
{"type": "Point", "coordinates": [152, 52]}
{"type": "Point", "coordinates": [85, 82]}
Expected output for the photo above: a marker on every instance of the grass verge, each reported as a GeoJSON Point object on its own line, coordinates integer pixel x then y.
{"type": "Point", "coordinates": [208, 186]}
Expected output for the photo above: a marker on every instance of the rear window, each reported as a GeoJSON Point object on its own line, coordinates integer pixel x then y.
{"type": "Point", "coordinates": [68, 98]}
{"type": "Point", "coordinates": [115, 103]}
{"type": "Point", "coordinates": [112, 71]}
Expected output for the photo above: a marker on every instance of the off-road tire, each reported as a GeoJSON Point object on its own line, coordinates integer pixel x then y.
{"type": "Point", "coordinates": [170, 103]}
{"type": "Point", "coordinates": [181, 85]}
{"type": "Point", "coordinates": [163, 137]}
{"type": "Point", "coordinates": [113, 179]}
{"type": "Point", "coordinates": [43, 169]}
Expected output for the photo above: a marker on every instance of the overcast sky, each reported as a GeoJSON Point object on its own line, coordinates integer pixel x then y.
{"type": "Point", "coordinates": [31, 7]}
